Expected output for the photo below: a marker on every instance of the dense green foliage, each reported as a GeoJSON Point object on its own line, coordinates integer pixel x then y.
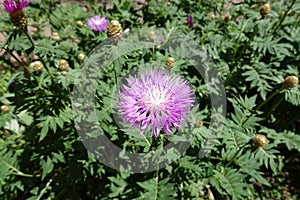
{"type": "Point", "coordinates": [43, 157]}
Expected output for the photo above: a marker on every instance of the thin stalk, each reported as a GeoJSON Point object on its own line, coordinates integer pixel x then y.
{"type": "Point", "coordinates": [157, 171]}
{"type": "Point", "coordinates": [116, 78]}
{"type": "Point", "coordinates": [263, 103]}
{"type": "Point", "coordinates": [284, 16]}
{"type": "Point", "coordinates": [235, 155]}
{"type": "Point", "coordinates": [43, 191]}
{"type": "Point", "coordinates": [30, 39]}
{"type": "Point", "coordinates": [274, 107]}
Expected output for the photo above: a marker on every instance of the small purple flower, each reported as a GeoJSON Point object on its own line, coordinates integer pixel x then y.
{"type": "Point", "coordinates": [12, 6]}
{"type": "Point", "coordinates": [98, 23]}
{"type": "Point", "coordinates": [155, 100]}
{"type": "Point", "coordinates": [190, 21]}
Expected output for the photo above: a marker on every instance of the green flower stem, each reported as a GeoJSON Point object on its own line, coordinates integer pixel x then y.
{"type": "Point", "coordinates": [47, 69]}
{"type": "Point", "coordinates": [284, 16]}
{"type": "Point", "coordinates": [274, 107]}
{"type": "Point", "coordinates": [44, 190]}
{"type": "Point", "coordinates": [268, 99]}
{"type": "Point", "coordinates": [30, 39]}
{"type": "Point", "coordinates": [236, 153]}
{"type": "Point", "coordinates": [116, 77]}
{"type": "Point", "coordinates": [157, 170]}
{"type": "Point", "coordinates": [263, 103]}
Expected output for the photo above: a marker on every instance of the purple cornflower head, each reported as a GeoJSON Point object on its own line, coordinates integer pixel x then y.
{"type": "Point", "coordinates": [156, 100]}
{"type": "Point", "coordinates": [190, 21]}
{"type": "Point", "coordinates": [12, 5]}
{"type": "Point", "coordinates": [98, 23]}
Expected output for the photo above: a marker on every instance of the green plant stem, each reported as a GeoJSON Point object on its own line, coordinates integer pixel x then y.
{"type": "Point", "coordinates": [274, 107]}
{"type": "Point", "coordinates": [30, 38]}
{"type": "Point", "coordinates": [235, 155]}
{"type": "Point", "coordinates": [47, 69]}
{"type": "Point", "coordinates": [263, 103]}
{"type": "Point", "coordinates": [43, 191]}
{"type": "Point", "coordinates": [268, 99]}
{"type": "Point", "coordinates": [284, 16]}
{"type": "Point", "coordinates": [157, 170]}
{"type": "Point", "coordinates": [116, 78]}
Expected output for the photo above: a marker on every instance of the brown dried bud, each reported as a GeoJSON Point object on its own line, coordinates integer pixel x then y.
{"type": "Point", "coordinates": [79, 23]}
{"type": "Point", "coordinates": [260, 140]}
{"type": "Point", "coordinates": [265, 9]}
{"type": "Point", "coordinates": [199, 123]}
{"type": "Point", "coordinates": [80, 57]}
{"type": "Point", "coordinates": [291, 82]}
{"type": "Point", "coordinates": [4, 108]}
{"type": "Point", "coordinates": [170, 62]}
{"type": "Point", "coordinates": [63, 65]}
{"type": "Point", "coordinates": [36, 66]}
{"type": "Point", "coordinates": [55, 36]}
{"type": "Point", "coordinates": [18, 18]}
{"type": "Point", "coordinates": [114, 30]}
{"type": "Point", "coordinates": [151, 35]}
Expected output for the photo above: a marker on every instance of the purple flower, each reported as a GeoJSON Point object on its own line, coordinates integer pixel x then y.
{"type": "Point", "coordinates": [98, 23]}
{"type": "Point", "coordinates": [190, 21]}
{"type": "Point", "coordinates": [155, 100]}
{"type": "Point", "coordinates": [12, 6]}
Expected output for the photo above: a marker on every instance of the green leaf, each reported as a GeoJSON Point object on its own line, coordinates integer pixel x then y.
{"type": "Point", "coordinates": [47, 167]}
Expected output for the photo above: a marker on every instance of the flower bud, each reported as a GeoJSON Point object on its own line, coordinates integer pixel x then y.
{"type": "Point", "coordinates": [79, 23]}
{"type": "Point", "coordinates": [4, 108]}
{"type": "Point", "coordinates": [260, 140]}
{"type": "Point", "coordinates": [170, 62]}
{"type": "Point", "coordinates": [151, 35]}
{"type": "Point", "coordinates": [80, 57]}
{"type": "Point", "coordinates": [227, 18]}
{"type": "Point", "coordinates": [63, 72]}
{"type": "Point", "coordinates": [55, 36]}
{"type": "Point", "coordinates": [199, 123]}
{"type": "Point", "coordinates": [36, 66]}
{"type": "Point", "coordinates": [264, 9]}
{"type": "Point", "coordinates": [291, 82]}
{"type": "Point", "coordinates": [18, 18]}
{"type": "Point", "coordinates": [63, 65]}
{"type": "Point", "coordinates": [114, 30]}
{"type": "Point", "coordinates": [71, 37]}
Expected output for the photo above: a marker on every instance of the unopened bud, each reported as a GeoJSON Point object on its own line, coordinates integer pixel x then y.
{"type": "Point", "coordinates": [71, 36]}
{"type": "Point", "coordinates": [151, 35]}
{"type": "Point", "coordinates": [291, 82]}
{"type": "Point", "coordinates": [4, 108]}
{"type": "Point", "coordinates": [170, 62]}
{"type": "Point", "coordinates": [55, 36]}
{"type": "Point", "coordinates": [199, 123]}
{"type": "Point", "coordinates": [36, 66]}
{"type": "Point", "coordinates": [63, 65]}
{"type": "Point", "coordinates": [114, 30]}
{"type": "Point", "coordinates": [265, 9]}
{"type": "Point", "coordinates": [227, 18]}
{"type": "Point", "coordinates": [79, 23]}
{"type": "Point", "coordinates": [80, 57]}
{"type": "Point", "coordinates": [63, 72]}
{"type": "Point", "coordinates": [260, 140]}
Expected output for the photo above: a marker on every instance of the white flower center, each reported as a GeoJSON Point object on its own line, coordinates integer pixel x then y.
{"type": "Point", "coordinates": [97, 22]}
{"type": "Point", "coordinates": [155, 98]}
